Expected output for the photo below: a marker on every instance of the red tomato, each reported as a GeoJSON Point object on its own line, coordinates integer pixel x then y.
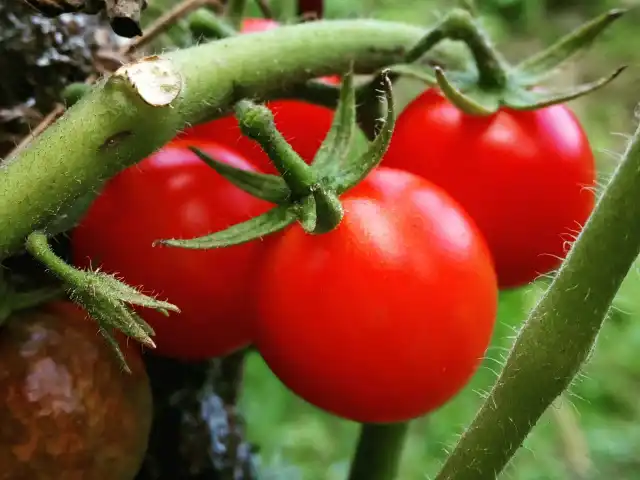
{"type": "Point", "coordinates": [173, 194]}
{"type": "Point", "coordinates": [252, 25]}
{"type": "Point", "coordinates": [304, 125]}
{"type": "Point", "coordinates": [387, 317]}
{"type": "Point", "coordinates": [526, 178]}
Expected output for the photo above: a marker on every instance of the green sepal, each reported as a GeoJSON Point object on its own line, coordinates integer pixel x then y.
{"type": "Point", "coordinates": [416, 72]}
{"type": "Point", "coordinates": [271, 188]}
{"type": "Point", "coordinates": [113, 314]}
{"type": "Point", "coordinates": [545, 63]}
{"type": "Point", "coordinates": [533, 100]}
{"type": "Point", "coordinates": [337, 144]}
{"type": "Point", "coordinates": [481, 104]}
{"type": "Point", "coordinates": [107, 334]}
{"type": "Point", "coordinates": [358, 168]}
{"type": "Point", "coordinates": [273, 221]}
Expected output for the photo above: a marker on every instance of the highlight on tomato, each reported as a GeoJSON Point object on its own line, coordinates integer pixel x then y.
{"type": "Point", "coordinates": [304, 125]}
{"type": "Point", "coordinates": [174, 194]}
{"type": "Point", "coordinates": [527, 178]}
{"type": "Point", "coordinates": [387, 317]}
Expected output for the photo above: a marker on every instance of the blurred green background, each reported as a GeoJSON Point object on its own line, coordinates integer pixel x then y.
{"type": "Point", "coordinates": [594, 431]}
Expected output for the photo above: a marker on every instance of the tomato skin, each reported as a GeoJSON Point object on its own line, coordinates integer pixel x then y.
{"type": "Point", "coordinates": [68, 410]}
{"type": "Point", "coordinates": [173, 194]}
{"type": "Point", "coordinates": [526, 178]}
{"type": "Point", "coordinates": [253, 25]}
{"type": "Point", "coordinates": [303, 125]}
{"type": "Point", "coordinates": [387, 317]}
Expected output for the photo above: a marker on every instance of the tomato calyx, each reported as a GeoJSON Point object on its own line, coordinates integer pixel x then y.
{"type": "Point", "coordinates": [305, 193]}
{"type": "Point", "coordinates": [103, 296]}
{"type": "Point", "coordinates": [491, 82]}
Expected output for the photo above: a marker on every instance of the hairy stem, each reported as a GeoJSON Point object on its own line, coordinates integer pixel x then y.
{"type": "Point", "coordinates": [460, 25]}
{"type": "Point", "coordinates": [378, 453]}
{"type": "Point", "coordinates": [560, 332]}
{"type": "Point", "coordinates": [111, 128]}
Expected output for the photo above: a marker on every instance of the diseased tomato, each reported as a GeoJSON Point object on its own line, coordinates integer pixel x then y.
{"type": "Point", "coordinates": [173, 194]}
{"type": "Point", "coordinates": [387, 317]}
{"type": "Point", "coordinates": [68, 409]}
{"type": "Point", "coordinates": [526, 178]}
{"type": "Point", "coordinates": [303, 125]}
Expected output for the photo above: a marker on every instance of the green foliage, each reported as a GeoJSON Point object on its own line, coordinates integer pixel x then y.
{"type": "Point", "coordinates": [299, 442]}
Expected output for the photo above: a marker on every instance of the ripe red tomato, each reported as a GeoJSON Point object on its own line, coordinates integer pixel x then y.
{"type": "Point", "coordinates": [173, 194]}
{"type": "Point", "coordinates": [526, 178]}
{"type": "Point", "coordinates": [387, 317]}
{"type": "Point", "coordinates": [68, 409]}
{"type": "Point", "coordinates": [303, 125]}
{"type": "Point", "coordinates": [252, 25]}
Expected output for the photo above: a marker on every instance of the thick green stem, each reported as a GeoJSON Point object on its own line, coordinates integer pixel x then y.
{"type": "Point", "coordinates": [378, 453]}
{"type": "Point", "coordinates": [560, 332]}
{"type": "Point", "coordinates": [110, 128]}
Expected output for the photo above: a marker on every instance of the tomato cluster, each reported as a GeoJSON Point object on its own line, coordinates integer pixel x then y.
{"type": "Point", "coordinates": [386, 317]}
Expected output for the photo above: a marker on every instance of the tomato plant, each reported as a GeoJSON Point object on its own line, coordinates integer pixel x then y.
{"type": "Point", "coordinates": [68, 408]}
{"type": "Point", "coordinates": [303, 124]}
{"type": "Point", "coordinates": [386, 317]}
{"type": "Point", "coordinates": [173, 194]}
{"type": "Point", "coordinates": [525, 177]}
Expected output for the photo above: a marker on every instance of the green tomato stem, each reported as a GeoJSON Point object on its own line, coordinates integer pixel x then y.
{"type": "Point", "coordinates": [460, 25]}
{"type": "Point", "coordinates": [560, 331]}
{"type": "Point", "coordinates": [256, 122]}
{"type": "Point", "coordinates": [378, 453]}
{"type": "Point", "coordinates": [110, 128]}
{"type": "Point", "coordinates": [38, 245]}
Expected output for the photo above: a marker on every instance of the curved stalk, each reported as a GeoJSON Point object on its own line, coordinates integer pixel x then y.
{"type": "Point", "coordinates": [111, 128]}
{"type": "Point", "coordinates": [560, 332]}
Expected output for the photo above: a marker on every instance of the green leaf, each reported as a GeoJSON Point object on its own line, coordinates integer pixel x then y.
{"type": "Point", "coordinates": [541, 65]}
{"type": "Point", "coordinates": [274, 220]}
{"type": "Point", "coordinates": [359, 167]}
{"type": "Point", "coordinates": [337, 143]}
{"type": "Point", "coordinates": [107, 334]}
{"type": "Point", "coordinates": [271, 188]}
